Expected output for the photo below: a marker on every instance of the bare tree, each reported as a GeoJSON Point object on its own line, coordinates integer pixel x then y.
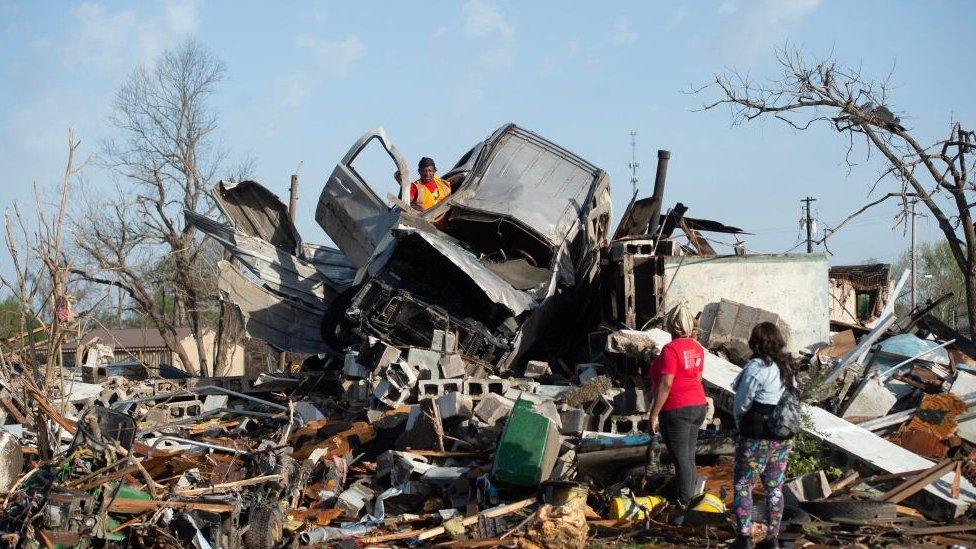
{"type": "Point", "coordinates": [809, 93]}
{"type": "Point", "coordinates": [40, 280]}
{"type": "Point", "coordinates": [167, 156]}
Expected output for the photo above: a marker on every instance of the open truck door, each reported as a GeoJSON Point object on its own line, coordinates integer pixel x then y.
{"type": "Point", "coordinates": [350, 211]}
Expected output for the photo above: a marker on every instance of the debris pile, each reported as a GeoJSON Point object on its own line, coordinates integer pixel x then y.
{"type": "Point", "coordinates": [476, 376]}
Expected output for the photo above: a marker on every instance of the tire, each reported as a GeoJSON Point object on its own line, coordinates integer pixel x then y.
{"type": "Point", "coordinates": [265, 527]}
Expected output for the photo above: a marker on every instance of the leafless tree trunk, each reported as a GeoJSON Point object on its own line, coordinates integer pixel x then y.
{"type": "Point", "coordinates": [808, 92]}
{"type": "Point", "coordinates": [167, 156]}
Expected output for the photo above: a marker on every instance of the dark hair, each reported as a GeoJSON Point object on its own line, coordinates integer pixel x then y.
{"type": "Point", "coordinates": [424, 162]}
{"type": "Point", "coordinates": [767, 342]}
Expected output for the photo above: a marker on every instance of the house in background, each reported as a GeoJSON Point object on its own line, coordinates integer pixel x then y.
{"type": "Point", "coordinates": [146, 346]}
{"type": "Point", "coordinates": [858, 294]}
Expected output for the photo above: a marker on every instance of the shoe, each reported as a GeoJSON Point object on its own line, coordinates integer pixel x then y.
{"type": "Point", "coordinates": [768, 543]}
{"type": "Point", "coordinates": [742, 542]}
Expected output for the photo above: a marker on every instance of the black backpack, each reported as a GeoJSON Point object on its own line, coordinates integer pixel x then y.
{"type": "Point", "coordinates": [785, 420]}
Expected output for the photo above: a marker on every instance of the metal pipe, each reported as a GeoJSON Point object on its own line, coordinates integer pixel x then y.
{"type": "Point", "coordinates": [200, 390]}
{"type": "Point", "coordinates": [155, 444]}
{"type": "Point", "coordinates": [659, 178]}
{"type": "Point", "coordinates": [905, 362]}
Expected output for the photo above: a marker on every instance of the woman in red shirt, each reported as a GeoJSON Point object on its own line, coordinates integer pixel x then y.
{"type": "Point", "coordinates": [679, 398]}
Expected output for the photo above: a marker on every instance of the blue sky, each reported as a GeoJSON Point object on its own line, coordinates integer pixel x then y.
{"type": "Point", "coordinates": [305, 80]}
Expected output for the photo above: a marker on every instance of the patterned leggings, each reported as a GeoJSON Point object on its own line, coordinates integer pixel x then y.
{"type": "Point", "coordinates": [766, 459]}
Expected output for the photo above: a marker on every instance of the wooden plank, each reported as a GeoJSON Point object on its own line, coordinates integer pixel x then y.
{"type": "Point", "coordinates": [913, 485]}
{"type": "Point", "coordinates": [136, 506]}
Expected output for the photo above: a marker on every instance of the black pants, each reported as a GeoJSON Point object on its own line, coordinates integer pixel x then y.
{"type": "Point", "coordinates": [679, 428]}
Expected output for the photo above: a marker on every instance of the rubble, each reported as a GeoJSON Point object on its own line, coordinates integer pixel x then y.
{"type": "Point", "coordinates": [507, 405]}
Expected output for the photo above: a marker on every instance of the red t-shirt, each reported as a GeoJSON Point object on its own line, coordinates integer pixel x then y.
{"type": "Point", "coordinates": [683, 358]}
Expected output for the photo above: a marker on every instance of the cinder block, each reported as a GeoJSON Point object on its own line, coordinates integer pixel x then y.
{"type": "Point", "coordinates": [628, 425]}
{"type": "Point", "coordinates": [425, 362]}
{"type": "Point", "coordinates": [452, 366]}
{"type": "Point", "coordinates": [574, 421]}
{"type": "Point", "coordinates": [552, 391]}
{"type": "Point", "coordinates": [631, 401]}
{"type": "Point", "coordinates": [516, 393]}
{"type": "Point", "coordinates": [808, 487]}
{"type": "Point", "coordinates": [548, 409]}
{"type": "Point", "coordinates": [444, 342]}
{"type": "Point", "coordinates": [455, 405]}
{"type": "Point", "coordinates": [537, 368]}
{"type": "Point", "coordinates": [354, 499]}
{"type": "Point", "coordinates": [377, 355]}
{"type": "Point", "coordinates": [390, 394]}
{"type": "Point", "coordinates": [586, 372]}
{"type": "Point", "coordinates": [479, 388]}
{"type": "Point", "coordinates": [600, 411]}
{"type": "Point", "coordinates": [352, 368]}
{"type": "Point", "coordinates": [438, 387]}
{"type": "Point", "coordinates": [401, 374]}
{"type": "Point", "coordinates": [492, 408]}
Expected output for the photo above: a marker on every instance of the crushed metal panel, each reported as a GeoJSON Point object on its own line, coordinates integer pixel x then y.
{"type": "Point", "coordinates": [330, 262]}
{"type": "Point", "coordinates": [531, 180]}
{"type": "Point", "coordinates": [854, 441]}
{"type": "Point", "coordinates": [256, 211]}
{"type": "Point", "coordinates": [496, 288]}
{"type": "Point", "coordinates": [282, 272]}
{"type": "Point", "coordinates": [282, 323]}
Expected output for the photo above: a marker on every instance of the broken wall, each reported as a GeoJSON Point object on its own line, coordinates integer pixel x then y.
{"type": "Point", "coordinates": [792, 285]}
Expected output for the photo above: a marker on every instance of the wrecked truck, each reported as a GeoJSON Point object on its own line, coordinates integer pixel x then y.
{"type": "Point", "coordinates": [504, 266]}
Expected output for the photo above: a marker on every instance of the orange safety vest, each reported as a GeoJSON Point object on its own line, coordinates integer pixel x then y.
{"type": "Point", "coordinates": [427, 199]}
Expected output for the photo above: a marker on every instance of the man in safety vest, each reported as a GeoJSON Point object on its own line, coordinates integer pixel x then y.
{"type": "Point", "coordinates": [429, 190]}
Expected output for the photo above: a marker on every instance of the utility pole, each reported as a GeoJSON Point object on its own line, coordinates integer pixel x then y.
{"type": "Point", "coordinates": [809, 223]}
{"type": "Point", "coordinates": [913, 253]}
{"type": "Point", "coordinates": [292, 212]}
{"type": "Point", "coordinates": [634, 164]}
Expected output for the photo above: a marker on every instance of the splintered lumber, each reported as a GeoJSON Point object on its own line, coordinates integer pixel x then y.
{"type": "Point", "coordinates": [467, 521]}
{"type": "Point", "coordinates": [227, 486]}
{"type": "Point", "coordinates": [135, 506]}
{"type": "Point", "coordinates": [857, 443]}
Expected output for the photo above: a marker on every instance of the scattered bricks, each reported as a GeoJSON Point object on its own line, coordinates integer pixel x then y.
{"type": "Point", "coordinates": [537, 368]}
{"type": "Point", "coordinates": [354, 499]}
{"type": "Point", "coordinates": [574, 421]}
{"type": "Point", "coordinates": [452, 366]}
{"type": "Point", "coordinates": [377, 355]}
{"type": "Point", "coordinates": [444, 342]}
{"type": "Point", "coordinates": [455, 405]}
{"type": "Point", "coordinates": [479, 388]}
{"type": "Point", "coordinates": [492, 408]}
{"type": "Point", "coordinates": [525, 384]}
{"type": "Point", "coordinates": [628, 425]}
{"type": "Point", "coordinates": [425, 362]}
{"type": "Point", "coordinates": [438, 387]}
{"type": "Point", "coordinates": [631, 401]}
{"type": "Point", "coordinates": [352, 368]}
